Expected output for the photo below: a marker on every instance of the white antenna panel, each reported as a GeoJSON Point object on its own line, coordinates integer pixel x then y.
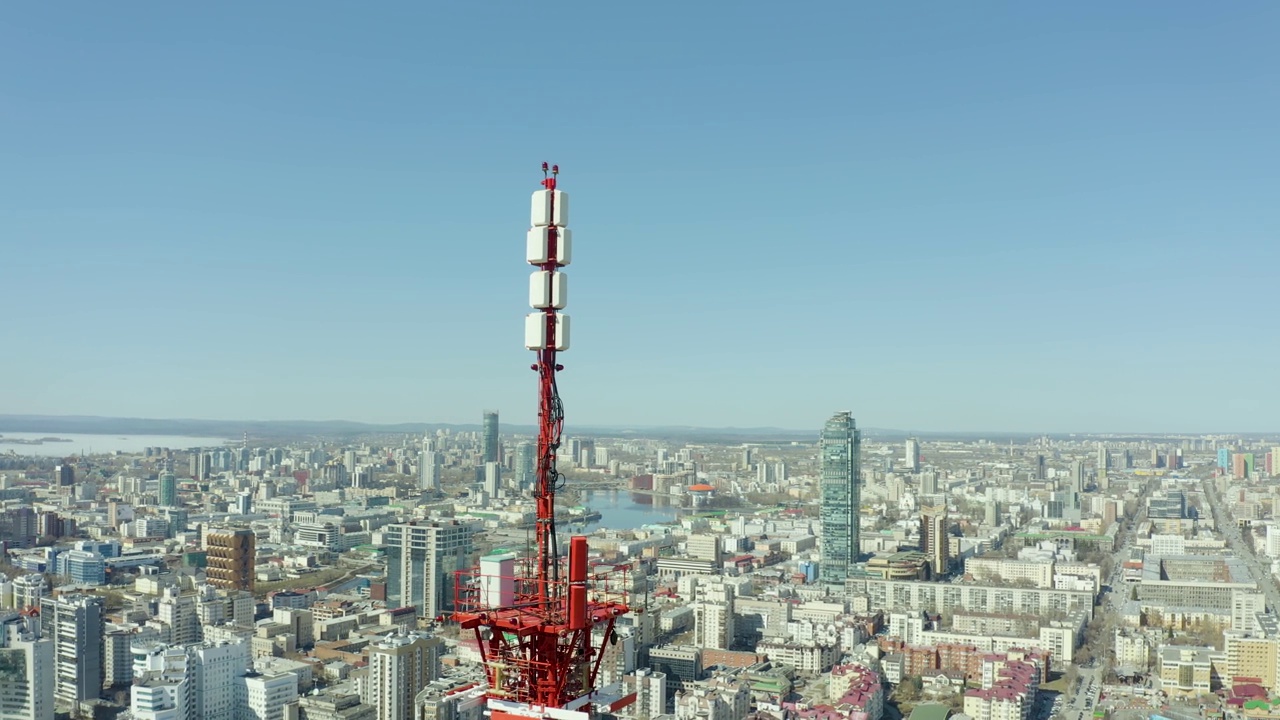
{"type": "Point", "coordinates": [535, 331]}
{"type": "Point", "coordinates": [540, 215]}
{"type": "Point", "coordinates": [548, 290]}
{"type": "Point", "coordinates": [564, 246]}
{"type": "Point", "coordinates": [560, 216]}
{"type": "Point", "coordinates": [562, 331]}
{"type": "Point", "coordinates": [537, 245]}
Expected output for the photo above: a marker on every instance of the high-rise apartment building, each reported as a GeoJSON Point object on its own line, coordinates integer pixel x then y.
{"type": "Point", "coordinates": [75, 625]}
{"type": "Point", "coordinates": [430, 466]}
{"type": "Point", "coordinates": [912, 454]}
{"type": "Point", "coordinates": [231, 557]}
{"type": "Point", "coordinates": [421, 562]}
{"type": "Point", "coordinates": [840, 447]}
{"type": "Point", "coordinates": [217, 670]}
{"type": "Point", "coordinates": [1242, 465]}
{"type": "Point", "coordinates": [929, 482]}
{"type": "Point", "coordinates": [526, 464]}
{"type": "Point", "coordinates": [713, 615]}
{"type": "Point", "coordinates": [650, 687]}
{"type": "Point", "coordinates": [934, 539]}
{"type": "Point", "coordinates": [168, 491]}
{"type": "Point", "coordinates": [179, 614]}
{"type": "Point", "coordinates": [199, 465]}
{"type": "Point", "coordinates": [26, 667]}
{"type": "Point", "coordinates": [265, 696]}
{"type": "Point", "coordinates": [162, 683]}
{"type": "Point", "coordinates": [400, 666]}
{"type": "Point", "coordinates": [18, 528]}
{"type": "Point", "coordinates": [491, 449]}
{"type": "Point", "coordinates": [1078, 477]}
{"type": "Point", "coordinates": [205, 681]}
{"type": "Point", "coordinates": [492, 479]}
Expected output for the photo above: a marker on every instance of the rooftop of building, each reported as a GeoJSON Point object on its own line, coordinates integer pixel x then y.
{"type": "Point", "coordinates": [1187, 653]}
{"type": "Point", "coordinates": [930, 711]}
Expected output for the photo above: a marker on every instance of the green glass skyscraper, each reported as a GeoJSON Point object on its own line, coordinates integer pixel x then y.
{"type": "Point", "coordinates": [491, 450]}
{"type": "Point", "coordinates": [168, 488]}
{"type": "Point", "coordinates": [841, 449]}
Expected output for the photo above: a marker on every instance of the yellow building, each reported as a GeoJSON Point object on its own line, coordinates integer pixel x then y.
{"type": "Point", "coordinates": [1252, 657]}
{"type": "Point", "coordinates": [1186, 670]}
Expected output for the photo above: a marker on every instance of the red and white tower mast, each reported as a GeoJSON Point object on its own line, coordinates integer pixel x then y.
{"type": "Point", "coordinates": [535, 629]}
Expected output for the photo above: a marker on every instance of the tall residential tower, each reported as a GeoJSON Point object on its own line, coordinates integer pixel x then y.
{"type": "Point", "coordinates": [421, 562]}
{"type": "Point", "coordinates": [491, 450]}
{"type": "Point", "coordinates": [935, 541]}
{"type": "Point", "coordinates": [168, 487]}
{"type": "Point", "coordinates": [232, 558]}
{"type": "Point", "coordinates": [840, 447]}
{"type": "Point", "coordinates": [430, 466]}
{"type": "Point", "coordinates": [26, 670]}
{"type": "Point", "coordinates": [75, 625]}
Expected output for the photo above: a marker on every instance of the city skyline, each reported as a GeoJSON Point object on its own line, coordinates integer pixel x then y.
{"type": "Point", "coordinates": [1048, 218]}
{"type": "Point", "coordinates": [867, 565]}
{"type": "Point", "coordinates": [1031, 248]}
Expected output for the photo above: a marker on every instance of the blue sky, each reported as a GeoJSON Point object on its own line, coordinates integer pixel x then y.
{"type": "Point", "coordinates": [946, 216]}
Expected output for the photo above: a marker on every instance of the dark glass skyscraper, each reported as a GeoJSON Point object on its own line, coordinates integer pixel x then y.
{"type": "Point", "coordinates": [841, 449]}
{"type": "Point", "coordinates": [168, 488]}
{"type": "Point", "coordinates": [491, 449]}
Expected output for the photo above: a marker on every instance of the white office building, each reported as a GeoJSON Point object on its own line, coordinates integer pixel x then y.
{"type": "Point", "coordinates": [26, 665]}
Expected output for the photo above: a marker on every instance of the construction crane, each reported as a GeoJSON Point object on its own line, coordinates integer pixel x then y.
{"type": "Point", "coordinates": [543, 628]}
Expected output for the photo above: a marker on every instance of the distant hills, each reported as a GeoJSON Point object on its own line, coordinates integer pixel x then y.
{"type": "Point", "coordinates": [284, 429]}
{"type": "Point", "coordinates": [232, 429]}
{"type": "Point", "coordinates": [259, 429]}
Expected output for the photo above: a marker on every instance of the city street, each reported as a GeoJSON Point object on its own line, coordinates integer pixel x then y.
{"type": "Point", "coordinates": [1083, 698]}
{"type": "Point", "coordinates": [1227, 526]}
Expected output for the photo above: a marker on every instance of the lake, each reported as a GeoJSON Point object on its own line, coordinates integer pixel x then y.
{"type": "Point", "coordinates": [99, 444]}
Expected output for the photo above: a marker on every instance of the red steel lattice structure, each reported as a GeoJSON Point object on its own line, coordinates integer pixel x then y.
{"type": "Point", "coordinates": [535, 629]}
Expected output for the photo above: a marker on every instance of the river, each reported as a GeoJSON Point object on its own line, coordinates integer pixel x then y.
{"type": "Point", "coordinates": [622, 510]}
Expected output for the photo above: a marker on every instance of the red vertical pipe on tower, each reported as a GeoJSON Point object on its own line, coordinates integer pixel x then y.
{"type": "Point", "coordinates": [577, 582]}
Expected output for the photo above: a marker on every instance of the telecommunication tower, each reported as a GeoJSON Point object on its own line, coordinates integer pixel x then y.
{"type": "Point", "coordinates": [543, 633]}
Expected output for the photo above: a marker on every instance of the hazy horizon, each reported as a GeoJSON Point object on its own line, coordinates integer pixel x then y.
{"type": "Point", "coordinates": [14, 420]}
